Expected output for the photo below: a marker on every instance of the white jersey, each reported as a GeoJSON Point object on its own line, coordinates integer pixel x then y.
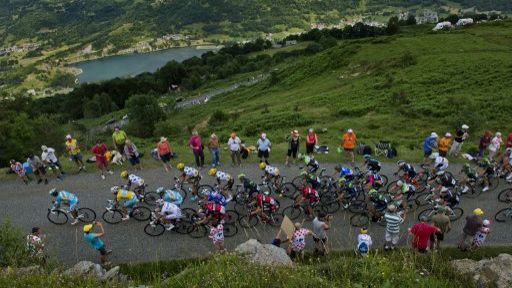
{"type": "Point", "coordinates": [135, 180]}
{"type": "Point", "coordinates": [364, 238]}
{"type": "Point", "coordinates": [170, 211]}
{"type": "Point", "coordinates": [272, 170]}
{"type": "Point", "coordinates": [190, 172]}
{"type": "Point", "coordinates": [49, 156]}
{"type": "Point", "coordinates": [441, 163]}
{"type": "Point", "coordinates": [222, 176]}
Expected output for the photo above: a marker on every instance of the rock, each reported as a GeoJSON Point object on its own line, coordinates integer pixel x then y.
{"type": "Point", "coordinates": [264, 254]}
{"type": "Point", "coordinates": [98, 271]}
{"type": "Point", "coordinates": [81, 268]}
{"type": "Point", "coordinates": [112, 274]}
{"type": "Point", "coordinates": [494, 272]}
{"type": "Point", "coordinates": [28, 270]}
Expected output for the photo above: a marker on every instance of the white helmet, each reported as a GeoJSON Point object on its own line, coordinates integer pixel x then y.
{"type": "Point", "coordinates": [434, 155]}
{"type": "Point", "coordinates": [114, 189]}
{"type": "Point", "coordinates": [160, 190]}
{"type": "Point", "coordinates": [486, 222]}
{"type": "Point", "coordinates": [440, 173]}
{"type": "Point", "coordinates": [399, 183]}
{"type": "Point", "coordinates": [434, 135]}
{"type": "Point", "coordinates": [448, 135]}
{"type": "Point", "coordinates": [465, 127]}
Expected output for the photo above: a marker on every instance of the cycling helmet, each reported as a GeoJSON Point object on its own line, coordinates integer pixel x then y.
{"type": "Point", "coordinates": [180, 166]}
{"type": "Point", "coordinates": [160, 190]}
{"type": "Point", "coordinates": [434, 155]}
{"type": "Point", "coordinates": [400, 163]}
{"type": "Point", "coordinates": [440, 173]}
{"type": "Point", "coordinates": [338, 167]}
{"type": "Point", "coordinates": [87, 228]}
{"type": "Point", "coordinates": [307, 159]}
{"type": "Point", "coordinates": [399, 183]}
{"type": "Point", "coordinates": [212, 171]}
{"type": "Point", "coordinates": [367, 156]}
{"type": "Point", "coordinates": [300, 156]}
{"type": "Point", "coordinates": [241, 176]}
{"type": "Point", "coordinates": [114, 189]}
{"type": "Point", "coordinates": [124, 174]}
{"type": "Point", "coordinates": [363, 230]}
{"type": "Point", "coordinates": [262, 165]}
{"type": "Point", "coordinates": [486, 222]}
{"type": "Point", "coordinates": [53, 192]}
{"type": "Point", "coordinates": [159, 202]}
{"type": "Point", "coordinates": [478, 211]}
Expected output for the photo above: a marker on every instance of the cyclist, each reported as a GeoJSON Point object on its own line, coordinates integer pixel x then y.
{"type": "Point", "coordinates": [129, 197]}
{"type": "Point", "coordinates": [485, 170]}
{"type": "Point", "coordinates": [265, 205]}
{"type": "Point", "coordinates": [507, 164]}
{"type": "Point", "coordinates": [468, 174]}
{"type": "Point", "coordinates": [224, 180]}
{"type": "Point", "coordinates": [372, 164]}
{"type": "Point", "coordinates": [347, 191]}
{"type": "Point", "coordinates": [136, 181]}
{"type": "Point", "coordinates": [379, 203]}
{"type": "Point", "coordinates": [311, 165]}
{"type": "Point", "coordinates": [309, 194]}
{"type": "Point", "coordinates": [450, 198]}
{"type": "Point", "coordinates": [445, 180]}
{"type": "Point", "coordinates": [404, 189]}
{"type": "Point", "coordinates": [249, 185]}
{"type": "Point", "coordinates": [271, 174]}
{"type": "Point", "coordinates": [190, 175]}
{"type": "Point", "coordinates": [211, 211]}
{"type": "Point", "coordinates": [168, 213]}
{"type": "Point", "coordinates": [170, 195]}
{"type": "Point", "coordinates": [440, 162]}
{"type": "Point", "coordinates": [344, 172]}
{"type": "Point", "coordinates": [66, 198]}
{"type": "Point", "coordinates": [408, 169]}
{"type": "Point", "coordinates": [216, 197]}
{"type": "Point", "coordinates": [374, 180]}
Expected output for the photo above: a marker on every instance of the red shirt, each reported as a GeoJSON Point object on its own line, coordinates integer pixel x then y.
{"type": "Point", "coordinates": [99, 151]}
{"type": "Point", "coordinates": [195, 142]}
{"type": "Point", "coordinates": [509, 140]}
{"type": "Point", "coordinates": [163, 148]}
{"type": "Point", "coordinates": [422, 233]}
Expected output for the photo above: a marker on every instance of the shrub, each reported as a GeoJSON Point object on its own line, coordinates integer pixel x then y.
{"type": "Point", "coordinates": [218, 117]}
{"type": "Point", "coordinates": [12, 245]}
{"type": "Point", "coordinates": [144, 113]}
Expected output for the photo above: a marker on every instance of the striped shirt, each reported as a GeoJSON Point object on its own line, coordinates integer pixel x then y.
{"type": "Point", "coordinates": [393, 222]}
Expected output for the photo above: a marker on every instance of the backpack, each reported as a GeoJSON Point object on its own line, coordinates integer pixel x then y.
{"type": "Point", "coordinates": [362, 248]}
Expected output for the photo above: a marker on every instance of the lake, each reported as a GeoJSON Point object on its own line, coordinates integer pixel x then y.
{"type": "Point", "coordinates": [132, 64]}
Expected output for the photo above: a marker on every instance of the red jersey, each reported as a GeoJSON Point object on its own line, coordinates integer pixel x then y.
{"type": "Point", "coordinates": [422, 233]}
{"type": "Point", "coordinates": [99, 151]}
{"type": "Point", "coordinates": [265, 201]}
{"type": "Point", "coordinates": [311, 194]}
{"type": "Point", "coordinates": [215, 209]}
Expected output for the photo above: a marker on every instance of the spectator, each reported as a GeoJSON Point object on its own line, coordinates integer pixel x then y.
{"type": "Point", "coordinates": [95, 240]}
{"type": "Point", "coordinates": [495, 145]}
{"type": "Point", "coordinates": [213, 146]}
{"type": "Point", "coordinates": [164, 152]}
{"type": "Point", "coordinates": [422, 232]}
{"type": "Point", "coordinates": [429, 144]}
{"type": "Point", "coordinates": [349, 143]}
{"type": "Point", "coordinates": [481, 235]}
{"type": "Point", "coordinates": [311, 141]}
{"type": "Point", "coordinates": [485, 140]}
{"type": "Point", "coordinates": [119, 138]}
{"type": "Point", "coordinates": [321, 223]}
{"type": "Point", "coordinates": [473, 225]}
{"type": "Point", "coordinates": [196, 145]}
{"type": "Point", "coordinates": [99, 150]}
{"type": "Point", "coordinates": [460, 136]}
{"type": "Point", "coordinates": [298, 241]}
{"type": "Point", "coordinates": [277, 241]}
{"type": "Point", "coordinates": [217, 236]}
{"type": "Point", "coordinates": [441, 221]}
{"type": "Point", "coordinates": [48, 156]}
{"type": "Point", "coordinates": [263, 148]}
{"type": "Point", "coordinates": [393, 221]}
{"type": "Point", "coordinates": [38, 168]}
{"type": "Point", "coordinates": [73, 148]}
{"type": "Point", "coordinates": [36, 246]}
{"type": "Point", "coordinates": [293, 147]}
{"type": "Point", "coordinates": [234, 147]}
{"type": "Point", "coordinates": [132, 153]}
{"type": "Point", "coordinates": [444, 144]}
{"type": "Point", "coordinates": [17, 168]}
{"type": "Point", "coordinates": [509, 140]}
{"type": "Point", "coordinates": [364, 242]}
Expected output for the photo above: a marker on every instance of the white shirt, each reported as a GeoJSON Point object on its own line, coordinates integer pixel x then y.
{"type": "Point", "coordinates": [190, 172]}
{"type": "Point", "coordinates": [170, 209]}
{"type": "Point", "coordinates": [136, 180]}
{"type": "Point", "coordinates": [234, 144]}
{"type": "Point", "coordinates": [49, 156]}
{"type": "Point", "coordinates": [272, 170]}
{"type": "Point", "coordinates": [495, 144]}
{"type": "Point", "coordinates": [364, 238]}
{"type": "Point", "coordinates": [222, 176]}
{"type": "Point", "coordinates": [442, 163]}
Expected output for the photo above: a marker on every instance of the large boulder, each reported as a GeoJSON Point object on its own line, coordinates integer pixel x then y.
{"type": "Point", "coordinates": [82, 268]}
{"type": "Point", "coordinates": [264, 254]}
{"type": "Point", "coordinates": [494, 272]}
{"type": "Point", "coordinates": [111, 275]}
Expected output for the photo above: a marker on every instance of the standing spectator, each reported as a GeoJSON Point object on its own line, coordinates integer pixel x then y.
{"type": "Point", "coordinates": [95, 240]}
{"type": "Point", "coordinates": [311, 141]}
{"type": "Point", "coordinates": [99, 150]}
{"type": "Point", "coordinates": [364, 242]}
{"type": "Point", "coordinates": [213, 146]}
{"type": "Point", "coordinates": [509, 140]}
{"type": "Point", "coordinates": [17, 168]}
{"type": "Point", "coordinates": [298, 241]}
{"type": "Point", "coordinates": [429, 144]}
{"type": "Point", "coordinates": [263, 148]}
{"type": "Point", "coordinates": [444, 144]}
{"type": "Point", "coordinates": [293, 147]}
{"type": "Point", "coordinates": [217, 236]}
{"type": "Point", "coordinates": [495, 145]}
{"type": "Point", "coordinates": [164, 152]}
{"type": "Point", "coordinates": [393, 221]}
{"type": "Point", "coordinates": [234, 147]}
{"type": "Point", "coordinates": [132, 153]}
{"type": "Point", "coordinates": [422, 232]}
{"type": "Point", "coordinates": [460, 136]}
{"type": "Point", "coordinates": [473, 225]}
{"type": "Point", "coordinates": [441, 221]}
{"type": "Point", "coordinates": [119, 138]}
{"type": "Point", "coordinates": [196, 145]}
{"type": "Point", "coordinates": [73, 149]}
{"type": "Point", "coordinates": [485, 140]}
{"type": "Point", "coordinates": [321, 223]}
{"type": "Point", "coordinates": [48, 156]}
{"type": "Point", "coordinates": [38, 168]}
{"type": "Point", "coordinates": [35, 245]}
{"type": "Point", "coordinates": [481, 235]}
{"type": "Point", "coordinates": [349, 143]}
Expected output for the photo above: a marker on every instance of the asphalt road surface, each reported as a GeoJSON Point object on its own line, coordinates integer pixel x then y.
{"type": "Point", "coordinates": [27, 206]}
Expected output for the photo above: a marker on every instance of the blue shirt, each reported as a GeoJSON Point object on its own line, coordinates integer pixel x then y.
{"type": "Point", "coordinates": [429, 143]}
{"type": "Point", "coordinates": [346, 171]}
{"type": "Point", "coordinates": [178, 199]}
{"type": "Point", "coordinates": [263, 144]}
{"type": "Point", "coordinates": [217, 198]}
{"type": "Point", "coordinates": [95, 242]}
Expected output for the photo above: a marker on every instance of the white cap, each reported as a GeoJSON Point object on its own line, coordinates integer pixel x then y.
{"type": "Point", "coordinates": [350, 130]}
{"type": "Point", "coordinates": [464, 126]}
{"type": "Point", "coordinates": [448, 135]}
{"type": "Point", "coordinates": [434, 135]}
{"type": "Point", "coordinates": [44, 147]}
{"type": "Point", "coordinates": [68, 136]}
{"type": "Point", "coordinates": [498, 134]}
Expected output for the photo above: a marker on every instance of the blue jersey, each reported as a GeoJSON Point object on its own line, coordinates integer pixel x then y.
{"type": "Point", "coordinates": [65, 197]}
{"type": "Point", "coordinates": [429, 143]}
{"type": "Point", "coordinates": [95, 242]}
{"type": "Point", "coordinates": [217, 198]}
{"type": "Point", "coordinates": [173, 197]}
{"type": "Point", "coordinates": [345, 172]}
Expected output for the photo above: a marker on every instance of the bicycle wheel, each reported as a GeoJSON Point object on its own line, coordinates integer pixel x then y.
{"type": "Point", "coordinates": [141, 213]}
{"type": "Point", "coordinates": [331, 207]}
{"type": "Point", "coordinates": [289, 189]}
{"type": "Point", "coordinates": [241, 199]}
{"type": "Point", "coordinates": [384, 180]}
{"type": "Point", "coordinates": [299, 181]}
{"type": "Point", "coordinates": [204, 189]}
{"type": "Point", "coordinates": [275, 220]}
{"type": "Point", "coordinates": [57, 217]}
{"type": "Point", "coordinates": [457, 213]}
{"type": "Point", "coordinates": [422, 199]}
{"type": "Point", "coordinates": [328, 197]}
{"type": "Point", "coordinates": [154, 230]}
{"type": "Point", "coordinates": [231, 216]}
{"type": "Point", "coordinates": [230, 230]}
{"type": "Point", "coordinates": [248, 221]}
{"type": "Point", "coordinates": [504, 215]}
{"type": "Point", "coordinates": [471, 193]}
{"type": "Point", "coordinates": [357, 206]}
{"type": "Point", "coordinates": [505, 196]}
{"type": "Point", "coordinates": [197, 231]}
{"type": "Point", "coordinates": [182, 226]}
{"type": "Point", "coordinates": [86, 215]}
{"type": "Point", "coordinates": [292, 212]}
{"type": "Point", "coordinates": [112, 216]}
{"type": "Point", "coordinates": [188, 213]}
{"type": "Point", "coordinates": [151, 197]}
{"type": "Point", "coordinates": [390, 185]}
{"type": "Point", "coordinates": [327, 183]}
{"type": "Point", "coordinates": [359, 220]}
{"type": "Point", "coordinates": [427, 213]}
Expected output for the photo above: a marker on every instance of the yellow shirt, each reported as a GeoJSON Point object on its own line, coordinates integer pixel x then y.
{"type": "Point", "coordinates": [73, 147]}
{"type": "Point", "coordinates": [444, 143]}
{"type": "Point", "coordinates": [124, 195]}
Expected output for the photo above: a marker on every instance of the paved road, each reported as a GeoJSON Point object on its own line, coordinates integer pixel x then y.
{"type": "Point", "coordinates": [27, 207]}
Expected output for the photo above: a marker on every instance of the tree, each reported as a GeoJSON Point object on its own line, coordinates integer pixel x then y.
{"type": "Point", "coordinates": [453, 18]}
{"type": "Point", "coordinates": [393, 25]}
{"type": "Point", "coordinates": [144, 113]}
{"type": "Point", "coordinates": [411, 20]}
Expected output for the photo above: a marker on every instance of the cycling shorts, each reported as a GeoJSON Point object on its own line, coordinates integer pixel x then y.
{"type": "Point", "coordinates": [131, 202]}
{"type": "Point", "coordinates": [72, 204]}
